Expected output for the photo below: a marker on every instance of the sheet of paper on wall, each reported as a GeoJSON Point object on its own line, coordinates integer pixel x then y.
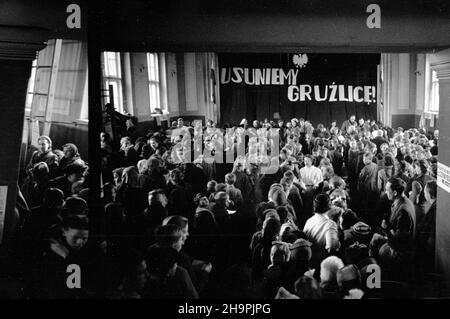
{"type": "Point", "coordinates": [3, 197]}
{"type": "Point", "coordinates": [276, 116]}
{"type": "Point", "coordinates": [443, 177]}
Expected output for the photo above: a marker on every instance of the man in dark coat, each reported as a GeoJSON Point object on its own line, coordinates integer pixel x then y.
{"type": "Point", "coordinates": [347, 123]}
{"type": "Point", "coordinates": [426, 232]}
{"type": "Point", "coordinates": [402, 217]}
{"type": "Point", "coordinates": [368, 188]}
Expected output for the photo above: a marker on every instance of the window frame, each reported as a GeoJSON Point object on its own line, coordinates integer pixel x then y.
{"type": "Point", "coordinates": [433, 98]}
{"type": "Point", "coordinates": [154, 82]}
{"type": "Point", "coordinates": [30, 87]}
{"type": "Point", "coordinates": [116, 79]}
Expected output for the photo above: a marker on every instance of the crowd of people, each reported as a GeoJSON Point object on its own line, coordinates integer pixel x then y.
{"type": "Point", "coordinates": [296, 211]}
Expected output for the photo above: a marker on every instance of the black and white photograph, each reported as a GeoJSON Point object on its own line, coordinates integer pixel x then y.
{"type": "Point", "coordinates": [224, 151]}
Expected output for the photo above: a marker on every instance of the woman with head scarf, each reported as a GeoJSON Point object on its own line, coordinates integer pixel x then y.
{"type": "Point", "coordinates": [71, 156]}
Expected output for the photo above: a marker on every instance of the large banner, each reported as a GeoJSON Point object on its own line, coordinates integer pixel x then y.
{"type": "Point", "coordinates": [317, 87]}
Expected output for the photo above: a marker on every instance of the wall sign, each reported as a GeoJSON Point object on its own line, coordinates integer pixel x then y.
{"type": "Point", "coordinates": [443, 177]}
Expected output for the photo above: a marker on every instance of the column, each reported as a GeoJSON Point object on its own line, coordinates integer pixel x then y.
{"type": "Point", "coordinates": [16, 56]}
{"type": "Point", "coordinates": [442, 69]}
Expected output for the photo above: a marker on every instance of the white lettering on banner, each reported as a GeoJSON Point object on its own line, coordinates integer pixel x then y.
{"type": "Point", "coordinates": [443, 177]}
{"type": "Point", "coordinates": [298, 92]}
{"type": "Point", "coordinates": [332, 93]}
{"type": "Point", "coordinates": [258, 76]}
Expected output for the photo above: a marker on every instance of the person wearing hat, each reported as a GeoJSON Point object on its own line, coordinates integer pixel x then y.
{"type": "Point", "coordinates": [73, 175]}
{"type": "Point", "coordinates": [71, 156]}
{"type": "Point", "coordinates": [74, 206]}
{"type": "Point", "coordinates": [300, 257]}
{"type": "Point", "coordinates": [358, 232]}
{"type": "Point", "coordinates": [320, 229]}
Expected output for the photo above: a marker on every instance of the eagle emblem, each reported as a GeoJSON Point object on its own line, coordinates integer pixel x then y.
{"type": "Point", "coordinates": [300, 60]}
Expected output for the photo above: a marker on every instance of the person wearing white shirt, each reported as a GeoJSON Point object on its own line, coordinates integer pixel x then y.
{"type": "Point", "coordinates": [310, 176]}
{"type": "Point", "coordinates": [320, 229]}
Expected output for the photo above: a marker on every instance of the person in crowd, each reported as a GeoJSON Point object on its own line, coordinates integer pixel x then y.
{"type": "Point", "coordinates": [334, 130]}
{"type": "Point", "coordinates": [320, 229]}
{"type": "Point", "coordinates": [349, 282]}
{"type": "Point", "coordinates": [351, 122]}
{"type": "Point", "coordinates": [368, 188]}
{"type": "Point", "coordinates": [50, 276]}
{"type": "Point", "coordinates": [422, 177]}
{"type": "Point", "coordinates": [365, 193]}
{"type": "Point", "coordinates": [129, 194]}
{"type": "Point", "coordinates": [144, 223]}
{"type": "Point", "coordinates": [220, 210]}
{"type": "Point", "coordinates": [353, 230]}
{"type": "Point", "coordinates": [261, 246]}
{"type": "Point", "coordinates": [386, 172]}
{"type": "Point", "coordinates": [71, 156]}
{"type": "Point", "coordinates": [329, 268]}
{"type": "Point", "coordinates": [402, 215]}
{"type": "Point", "coordinates": [127, 154]}
{"type": "Point", "coordinates": [310, 178]}
{"type": "Point", "coordinates": [74, 175]}
{"type": "Point", "coordinates": [132, 278]}
{"type": "Point", "coordinates": [299, 261]}
{"type": "Point", "coordinates": [167, 280]}
{"type": "Point", "coordinates": [233, 192]}
{"type": "Point", "coordinates": [179, 194]}
{"type": "Point", "coordinates": [426, 234]}
{"type": "Point", "coordinates": [36, 184]}
{"type": "Point", "coordinates": [44, 154]}
{"type": "Point", "coordinates": [275, 274]}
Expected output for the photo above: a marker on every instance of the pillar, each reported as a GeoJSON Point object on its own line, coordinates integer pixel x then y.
{"type": "Point", "coordinates": [16, 55]}
{"type": "Point", "coordinates": [442, 67]}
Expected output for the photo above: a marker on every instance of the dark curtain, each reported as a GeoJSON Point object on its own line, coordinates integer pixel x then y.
{"type": "Point", "coordinates": [240, 100]}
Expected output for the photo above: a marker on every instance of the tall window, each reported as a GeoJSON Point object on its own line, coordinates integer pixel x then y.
{"type": "Point", "coordinates": [112, 76]}
{"type": "Point", "coordinates": [30, 87]}
{"type": "Point", "coordinates": [433, 104]}
{"type": "Point", "coordinates": [153, 81]}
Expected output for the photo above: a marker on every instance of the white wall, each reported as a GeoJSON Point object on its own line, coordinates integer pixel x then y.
{"type": "Point", "coordinates": [186, 79]}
